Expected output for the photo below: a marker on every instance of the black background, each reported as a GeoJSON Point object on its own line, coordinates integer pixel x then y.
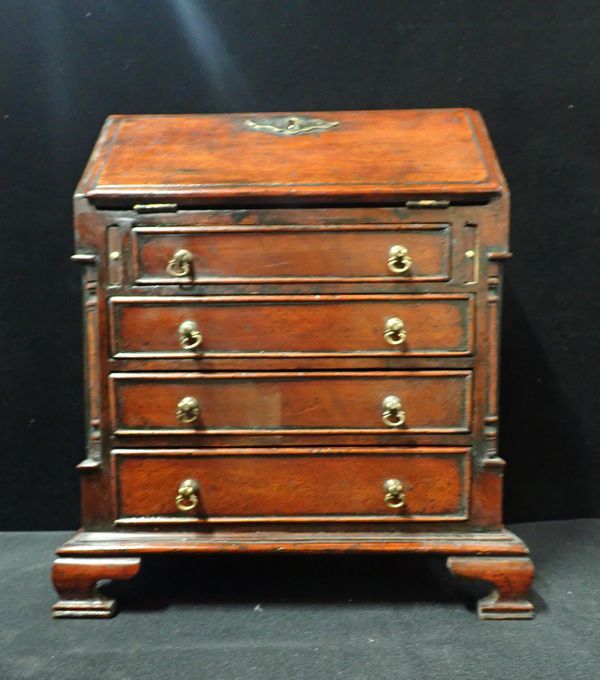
{"type": "Point", "coordinates": [532, 68]}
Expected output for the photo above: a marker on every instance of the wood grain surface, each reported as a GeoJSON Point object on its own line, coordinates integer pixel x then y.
{"type": "Point", "coordinates": [367, 156]}
{"type": "Point", "coordinates": [291, 253]}
{"type": "Point", "coordinates": [278, 486]}
{"type": "Point", "coordinates": [261, 326]}
{"type": "Point", "coordinates": [255, 403]}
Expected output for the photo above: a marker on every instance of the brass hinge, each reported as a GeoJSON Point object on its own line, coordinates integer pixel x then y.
{"type": "Point", "coordinates": [499, 257]}
{"type": "Point", "coordinates": [427, 204]}
{"type": "Point", "coordinates": [155, 207]}
{"type": "Point", "coordinates": [84, 258]}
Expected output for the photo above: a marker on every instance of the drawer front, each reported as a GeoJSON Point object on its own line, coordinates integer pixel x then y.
{"type": "Point", "coordinates": [264, 485]}
{"type": "Point", "coordinates": [321, 325]}
{"type": "Point", "coordinates": [291, 254]}
{"type": "Point", "coordinates": [291, 403]}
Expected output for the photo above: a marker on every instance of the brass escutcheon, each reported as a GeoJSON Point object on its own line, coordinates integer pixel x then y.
{"type": "Point", "coordinates": [394, 333]}
{"type": "Point", "coordinates": [189, 335]}
{"type": "Point", "coordinates": [399, 261]}
{"type": "Point", "coordinates": [392, 413]}
{"type": "Point", "coordinates": [188, 410]}
{"type": "Point", "coordinates": [187, 495]}
{"type": "Point", "coordinates": [181, 263]}
{"type": "Point", "coordinates": [286, 126]}
{"type": "Point", "coordinates": [394, 493]}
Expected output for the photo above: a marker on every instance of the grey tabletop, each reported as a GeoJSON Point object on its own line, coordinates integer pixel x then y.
{"type": "Point", "coordinates": [267, 617]}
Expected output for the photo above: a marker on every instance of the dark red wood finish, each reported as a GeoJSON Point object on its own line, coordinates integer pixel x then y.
{"type": "Point", "coordinates": [289, 450]}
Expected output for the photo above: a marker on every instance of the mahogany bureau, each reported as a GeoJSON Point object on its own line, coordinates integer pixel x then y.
{"type": "Point", "coordinates": [291, 344]}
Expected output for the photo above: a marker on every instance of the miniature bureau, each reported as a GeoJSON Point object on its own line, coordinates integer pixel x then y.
{"type": "Point", "coordinates": [291, 344]}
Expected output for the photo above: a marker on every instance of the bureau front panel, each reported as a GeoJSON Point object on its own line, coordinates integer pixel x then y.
{"type": "Point", "coordinates": [303, 325]}
{"type": "Point", "coordinates": [326, 253]}
{"type": "Point", "coordinates": [185, 487]}
{"type": "Point", "coordinates": [292, 402]}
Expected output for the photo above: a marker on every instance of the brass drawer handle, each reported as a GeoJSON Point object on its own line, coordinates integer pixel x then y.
{"type": "Point", "coordinates": [399, 261]}
{"type": "Point", "coordinates": [181, 263]}
{"type": "Point", "coordinates": [187, 495]}
{"type": "Point", "coordinates": [189, 335]}
{"type": "Point", "coordinates": [394, 333]}
{"type": "Point", "coordinates": [187, 410]}
{"type": "Point", "coordinates": [393, 415]}
{"type": "Point", "coordinates": [394, 493]}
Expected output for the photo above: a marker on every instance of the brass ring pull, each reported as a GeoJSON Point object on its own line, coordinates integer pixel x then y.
{"type": "Point", "coordinates": [187, 410]}
{"type": "Point", "coordinates": [187, 495]}
{"type": "Point", "coordinates": [394, 493]}
{"type": "Point", "coordinates": [181, 263]}
{"type": "Point", "coordinates": [189, 335]}
{"type": "Point", "coordinates": [399, 261]}
{"type": "Point", "coordinates": [393, 415]}
{"type": "Point", "coordinates": [395, 333]}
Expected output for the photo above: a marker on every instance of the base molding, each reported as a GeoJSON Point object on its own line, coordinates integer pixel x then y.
{"type": "Point", "coordinates": [84, 609]}
{"type": "Point", "coordinates": [498, 557]}
{"type": "Point", "coordinates": [99, 543]}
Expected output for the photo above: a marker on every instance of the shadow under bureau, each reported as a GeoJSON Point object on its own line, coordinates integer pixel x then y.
{"type": "Point", "coordinates": [291, 344]}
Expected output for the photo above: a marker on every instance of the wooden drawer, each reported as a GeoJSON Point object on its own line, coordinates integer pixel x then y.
{"type": "Point", "coordinates": [292, 254]}
{"type": "Point", "coordinates": [274, 485]}
{"type": "Point", "coordinates": [318, 402]}
{"type": "Point", "coordinates": [298, 326]}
